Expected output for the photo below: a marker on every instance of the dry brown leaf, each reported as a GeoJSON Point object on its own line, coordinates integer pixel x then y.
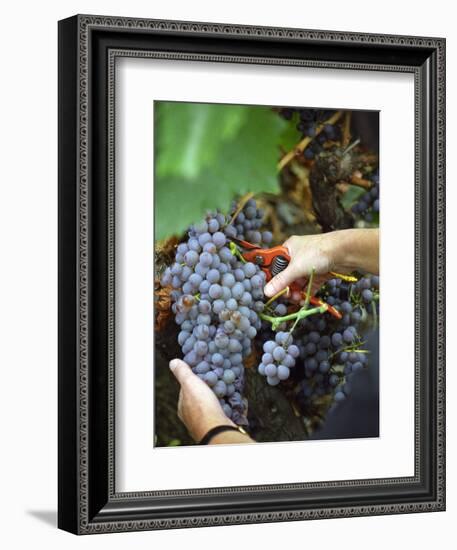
{"type": "Point", "coordinates": [165, 250]}
{"type": "Point", "coordinates": [162, 302]}
{"type": "Point", "coordinates": [251, 360]}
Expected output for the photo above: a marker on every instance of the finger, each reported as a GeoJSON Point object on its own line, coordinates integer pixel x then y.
{"type": "Point", "coordinates": [289, 244]}
{"type": "Point", "coordinates": [281, 280]}
{"type": "Point", "coordinates": [180, 400]}
{"type": "Point", "coordinates": [181, 371]}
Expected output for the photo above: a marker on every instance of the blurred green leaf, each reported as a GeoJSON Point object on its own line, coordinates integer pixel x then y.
{"type": "Point", "coordinates": [290, 136]}
{"type": "Point", "coordinates": [244, 159]}
{"type": "Point", "coordinates": [189, 136]}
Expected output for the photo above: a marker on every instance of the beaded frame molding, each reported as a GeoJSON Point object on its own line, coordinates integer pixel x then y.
{"type": "Point", "coordinates": [88, 48]}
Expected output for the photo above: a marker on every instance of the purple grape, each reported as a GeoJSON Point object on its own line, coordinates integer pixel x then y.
{"type": "Point", "coordinates": [219, 239]}
{"type": "Point", "coordinates": [283, 372]}
{"type": "Point", "coordinates": [271, 369]}
{"type": "Point", "coordinates": [279, 353]}
{"type": "Point", "coordinates": [225, 255]}
{"type": "Point", "coordinates": [249, 269]}
{"type": "Point", "coordinates": [273, 380]}
{"type": "Point", "coordinates": [191, 258]}
{"type": "Point", "coordinates": [239, 274]}
{"type": "Point", "coordinates": [293, 351]}
{"type": "Point", "coordinates": [204, 238]}
{"type": "Point", "coordinates": [213, 276]}
{"type": "Point", "coordinates": [232, 304]}
{"type": "Point", "coordinates": [228, 376]}
{"type": "Point", "coordinates": [201, 269]}
{"type": "Point", "coordinates": [215, 291]}
{"type": "Point", "coordinates": [211, 378]}
{"type": "Point", "coordinates": [267, 237]}
{"type": "Point", "coordinates": [213, 225]}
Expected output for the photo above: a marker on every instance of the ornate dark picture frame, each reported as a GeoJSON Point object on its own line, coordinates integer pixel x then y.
{"type": "Point", "coordinates": [88, 47]}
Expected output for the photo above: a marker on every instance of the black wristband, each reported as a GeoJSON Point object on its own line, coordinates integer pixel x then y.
{"type": "Point", "coordinates": [219, 429]}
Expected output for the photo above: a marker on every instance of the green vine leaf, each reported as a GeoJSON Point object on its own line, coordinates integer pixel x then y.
{"type": "Point", "coordinates": [203, 159]}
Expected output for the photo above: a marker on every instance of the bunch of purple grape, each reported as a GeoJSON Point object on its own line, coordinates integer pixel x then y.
{"type": "Point", "coordinates": [278, 358]}
{"type": "Point", "coordinates": [307, 122]}
{"type": "Point", "coordinates": [368, 203]}
{"type": "Point", "coordinates": [326, 352]}
{"type": "Point", "coordinates": [247, 225]}
{"type": "Point", "coordinates": [339, 347]}
{"type": "Point", "coordinates": [216, 299]}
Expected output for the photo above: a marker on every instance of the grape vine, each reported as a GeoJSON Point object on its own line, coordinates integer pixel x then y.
{"type": "Point", "coordinates": [218, 302]}
{"type": "Point", "coordinates": [309, 352]}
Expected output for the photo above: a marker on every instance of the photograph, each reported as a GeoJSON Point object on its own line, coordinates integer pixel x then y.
{"type": "Point", "coordinates": [266, 264]}
{"type": "Point", "coordinates": [224, 355]}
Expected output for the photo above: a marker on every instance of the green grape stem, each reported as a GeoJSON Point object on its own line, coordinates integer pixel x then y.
{"type": "Point", "coordinates": [276, 296]}
{"type": "Point", "coordinates": [375, 315]}
{"type": "Point", "coordinates": [297, 316]}
{"type": "Point", "coordinates": [308, 290]}
{"type": "Point", "coordinates": [350, 348]}
{"type": "Point", "coordinates": [236, 252]}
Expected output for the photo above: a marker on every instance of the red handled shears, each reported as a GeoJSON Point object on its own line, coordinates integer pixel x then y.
{"type": "Point", "coordinates": [274, 260]}
{"type": "Point", "coordinates": [270, 260]}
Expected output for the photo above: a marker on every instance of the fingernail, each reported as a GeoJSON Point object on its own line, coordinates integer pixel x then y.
{"type": "Point", "coordinates": [173, 364]}
{"type": "Point", "coordinates": [268, 290]}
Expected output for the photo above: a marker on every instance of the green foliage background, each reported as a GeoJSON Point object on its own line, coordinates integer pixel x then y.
{"type": "Point", "coordinates": [206, 154]}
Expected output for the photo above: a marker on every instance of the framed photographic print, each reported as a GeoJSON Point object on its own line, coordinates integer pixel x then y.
{"type": "Point", "coordinates": [245, 335]}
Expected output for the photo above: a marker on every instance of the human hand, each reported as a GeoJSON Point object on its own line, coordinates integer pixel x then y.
{"type": "Point", "coordinates": [342, 251]}
{"type": "Point", "coordinates": [306, 253]}
{"type": "Point", "coordinates": [198, 406]}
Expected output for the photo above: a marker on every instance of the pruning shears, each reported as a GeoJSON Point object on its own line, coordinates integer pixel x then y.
{"type": "Point", "coordinates": [270, 260]}
{"type": "Point", "coordinates": [274, 260]}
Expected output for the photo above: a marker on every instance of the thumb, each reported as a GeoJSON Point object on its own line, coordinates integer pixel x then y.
{"type": "Point", "coordinates": [181, 370]}
{"type": "Point", "coordinates": [281, 280]}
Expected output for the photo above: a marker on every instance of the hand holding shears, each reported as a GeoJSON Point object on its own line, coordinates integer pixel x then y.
{"type": "Point", "coordinates": [274, 260]}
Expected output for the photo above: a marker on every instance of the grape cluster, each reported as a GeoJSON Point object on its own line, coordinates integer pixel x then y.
{"type": "Point", "coordinates": [339, 346]}
{"type": "Point", "coordinates": [216, 299]}
{"type": "Point", "coordinates": [326, 352]}
{"type": "Point", "coordinates": [278, 358]}
{"type": "Point", "coordinates": [247, 225]}
{"type": "Point", "coordinates": [320, 349]}
{"type": "Point", "coordinates": [368, 203]}
{"type": "Point", "coordinates": [307, 122]}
